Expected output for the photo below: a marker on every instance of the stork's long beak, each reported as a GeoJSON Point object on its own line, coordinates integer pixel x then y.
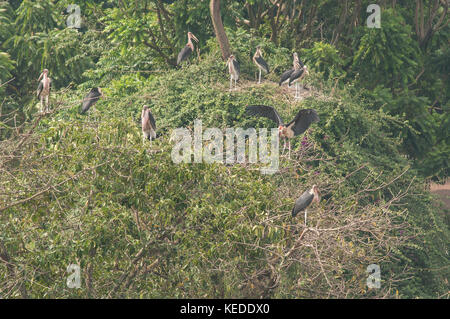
{"type": "Point", "coordinates": [40, 76]}
{"type": "Point", "coordinates": [194, 38]}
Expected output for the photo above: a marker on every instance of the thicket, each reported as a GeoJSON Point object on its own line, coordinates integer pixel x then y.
{"type": "Point", "coordinates": [84, 189]}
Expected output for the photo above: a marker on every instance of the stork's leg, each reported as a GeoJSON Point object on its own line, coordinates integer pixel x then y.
{"type": "Point", "coordinates": [284, 147]}
{"type": "Point", "coordinates": [235, 84]}
{"type": "Point", "coordinates": [259, 79]}
{"type": "Point", "coordinates": [47, 108]}
{"type": "Point", "coordinates": [306, 213]}
{"type": "Point", "coordinates": [231, 82]}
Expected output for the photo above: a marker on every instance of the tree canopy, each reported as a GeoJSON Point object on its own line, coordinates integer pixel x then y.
{"type": "Point", "coordinates": [85, 190]}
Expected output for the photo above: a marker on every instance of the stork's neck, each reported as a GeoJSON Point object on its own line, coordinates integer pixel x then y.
{"type": "Point", "coordinates": [190, 44]}
{"type": "Point", "coordinates": [296, 64]}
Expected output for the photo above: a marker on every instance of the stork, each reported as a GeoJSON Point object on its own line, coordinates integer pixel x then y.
{"type": "Point", "coordinates": [260, 62]}
{"type": "Point", "coordinates": [188, 49]}
{"type": "Point", "coordinates": [43, 90]}
{"type": "Point", "coordinates": [90, 99]}
{"type": "Point", "coordinates": [305, 200]}
{"type": "Point", "coordinates": [297, 126]}
{"type": "Point", "coordinates": [148, 124]}
{"type": "Point", "coordinates": [287, 74]}
{"type": "Point", "coordinates": [300, 70]}
{"type": "Point", "coordinates": [234, 70]}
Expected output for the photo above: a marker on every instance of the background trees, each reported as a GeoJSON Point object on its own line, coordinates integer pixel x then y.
{"type": "Point", "coordinates": [77, 190]}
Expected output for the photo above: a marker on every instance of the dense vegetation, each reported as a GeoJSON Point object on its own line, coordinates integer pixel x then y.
{"type": "Point", "coordinates": [85, 190]}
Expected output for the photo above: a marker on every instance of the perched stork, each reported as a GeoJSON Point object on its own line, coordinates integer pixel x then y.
{"type": "Point", "coordinates": [297, 126]}
{"type": "Point", "coordinates": [234, 69]}
{"type": "Point", "coordinates": [43, 90]}
{"type": "Point", "coordinates": [188, 49]}
{"type": "Point", "coordinates": [148, 124]}
{"type": "Point", "coordinates": [90, 99]}
{"type": "Point", "coordinates": [287, 74]}
{"type": "Point", "coordinates": [306, 199]}
{"type": "Point", "coordinates": [260, 62]}
{"type": "Point", "coordinates": [300, 70]}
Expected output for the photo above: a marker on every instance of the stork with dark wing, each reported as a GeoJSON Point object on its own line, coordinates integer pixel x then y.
{"type": "Point", "coordinates": [305, 200]}
{"type": "Point", "coordinates": [297, 126]}
{"type": "Point", "coordinates": [234, 70]}
{"type": "Point", "coordinates": [295, 75]}
{"type": "Point", "coordinates": [188, 49]}
{"type": "Point", "coordinates": [90, 99]}
{"type": "Point", "coordinates": [148, 124]}
{"type": "Point", "coordinates": [43, 90]}
{"type": "Point", "coordinates": [260, 62]}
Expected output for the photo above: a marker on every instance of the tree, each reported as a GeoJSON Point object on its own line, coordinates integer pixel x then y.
{"type": "Point", "coordinates": [218, 29]}
{"type": "Point", "coordinates": [425, 30]}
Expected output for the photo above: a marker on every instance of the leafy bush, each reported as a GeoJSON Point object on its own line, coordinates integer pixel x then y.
{"type": "Point", "coordinates": [324, 57]}
{"type": "Point", "coordinates": [141, 226]}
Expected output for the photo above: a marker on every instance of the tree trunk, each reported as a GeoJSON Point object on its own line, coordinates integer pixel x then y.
{"type": "Point", "coordinates": [221, 36]}
{"type": "Point", "coordinates": [425, 30]}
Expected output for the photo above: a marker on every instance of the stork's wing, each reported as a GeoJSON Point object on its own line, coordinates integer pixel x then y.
{"type": "Point", "coordinates": [303, 120]}
{"type": "Point", "coordinates": [184, 54]}
{"type": "Point", "coordinates": [295, 75]}
{"type": "Point", "coordinates": [261, 62]}
{"type": "Point", "coordinates": [264, 111]}
{"type": "Point", "coordinates": [285, 76]}
{"type": "Point", "coordinates": [39, 89]}
{"type": "Point", "coordinates": [90, 99]}
{"type": "Point", "coordinates": [152, 120]}
{"type": "Point", "coordinates": [237, 66]}
{"type": "Point", "coordinates": [302, 202]}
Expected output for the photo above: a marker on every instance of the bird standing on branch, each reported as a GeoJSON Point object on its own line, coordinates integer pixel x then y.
{"type": "Point", "coordinates": [297, 126]}
{"type": "Point", "coordinates": [188, 49]}
{"type": "Point", "coordinates": [300, 71]}
{"type": "Point", "coordinates": [43, 90]}
{"type": "Point", "coordinates": [260, 62]}
{"type": "Point", "coordinates": [148, 124]}
{"type": "Point", "coordinates": [90, 99]}
{"type": "Point", "coordinates": [305, 200]}
{"type": "Point", "coordinates": [287, 74]}
{"type": "Point", "coordinates": [234, 70]}
{"type": "Point", "coordinates": [296, 74]}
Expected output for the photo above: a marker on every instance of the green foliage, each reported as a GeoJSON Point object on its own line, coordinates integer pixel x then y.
{"type": "Point", "coordinates": [388, 55]}
{"type": "Point", "coordinates": [323, 57]}
{"type": "Point", "coordinates": [141, 226]}
{"type": "Point", "coordinates": [85, 190]}
{"type": "Point", "coordinates": [6, 66]}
